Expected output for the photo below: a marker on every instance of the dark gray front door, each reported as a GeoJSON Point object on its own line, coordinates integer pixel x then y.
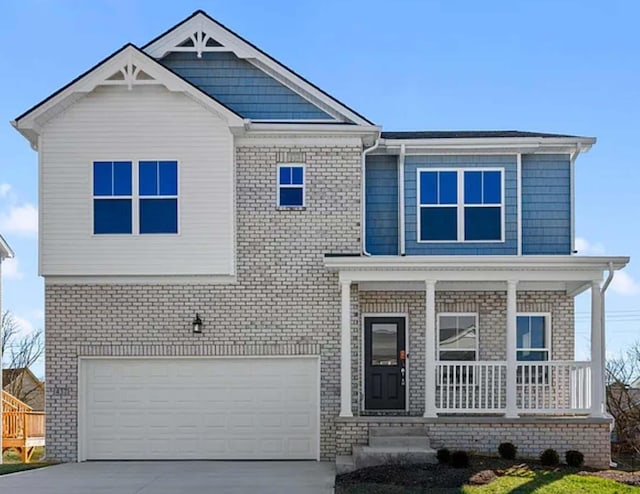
{"type": "Point", "coordinates": [384, 367]}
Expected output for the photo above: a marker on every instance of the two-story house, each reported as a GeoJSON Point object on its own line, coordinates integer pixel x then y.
{"type": "Point", "coordinates": [238, 265]}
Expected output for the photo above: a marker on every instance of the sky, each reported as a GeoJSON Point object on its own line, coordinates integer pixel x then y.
{"type": "Point", "coordinates": [568, 67]}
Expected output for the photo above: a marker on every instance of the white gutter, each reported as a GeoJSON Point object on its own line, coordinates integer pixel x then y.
{"type": "Point", "coordinates": [401, 194]}
{"type": "Point", "coordinates": [572, 195]}
{"type": "Point", "coordinates": [519, 203]}
{"type": "Point", "coordinates": [363, 200]}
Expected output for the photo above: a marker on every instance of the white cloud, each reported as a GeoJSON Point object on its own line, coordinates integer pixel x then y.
{"type": "Point", "coordinates": [4, 190]}
{"type": "Point", "coordinates": [25, 326]}
{"type": "Point", "coordinates": [21, 220]}
{"type": "Point", "coordinates": [624, 284]}
{"type": "Point", "coordinates": [586, 248]}
{"type": "Point", "coordinates": [11, 270]}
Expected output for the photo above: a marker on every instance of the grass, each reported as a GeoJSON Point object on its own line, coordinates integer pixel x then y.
{"type": "Point", "coordinates": [519, 481]}
{"type": "Point", "coordinates": [19, 467]}
{"type": "Point", "coordinates": [11, 461]}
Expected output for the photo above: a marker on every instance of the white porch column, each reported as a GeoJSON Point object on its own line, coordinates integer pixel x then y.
{"type": "Point", "coordinates": [512, 362]}
{"type": "Point", "coordinates": [597, 352]}
{"type": "Point", "coordinates": [345, 350]}
{"type": "Point", "coordinates": [430, 350]}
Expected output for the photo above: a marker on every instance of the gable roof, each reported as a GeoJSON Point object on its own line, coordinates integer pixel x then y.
{"type": "Point", "coordinates": [228, 39]}
{"type": "Point", "coordinates": [127, 66]}
{"type": "Point", "coordinates": [5, 250]}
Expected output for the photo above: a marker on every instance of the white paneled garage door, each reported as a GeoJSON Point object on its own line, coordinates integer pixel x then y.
{"type": "Point", "coordinates": [199, 408]}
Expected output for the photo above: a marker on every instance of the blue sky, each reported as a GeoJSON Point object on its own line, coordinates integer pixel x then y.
{"type": "Point", "coordinates": [568, 67]}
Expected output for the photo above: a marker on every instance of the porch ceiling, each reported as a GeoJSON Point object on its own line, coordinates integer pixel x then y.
{"type": "Point", "coordinates": [572, 274]}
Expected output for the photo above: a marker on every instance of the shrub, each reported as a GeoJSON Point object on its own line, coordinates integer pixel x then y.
{"type": "Point", "coordinates": [508, 451]}
{"type": "Point", "coordinates": [550, 458]}
{"type": "Point", "coordinates": [574, 458]}
{"type": "Point", "coordinates": [460, 459]}
{"type": "Point", "coordinates": [443, 455]}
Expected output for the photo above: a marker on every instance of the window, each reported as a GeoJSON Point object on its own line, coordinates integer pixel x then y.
{"type": "Point", "coordinates": [457, 337]}
{"type": "Point", "coordinates": [532, 337]}
{"type": "Point", "coordinates": [290, 186]}
{"type": "Point", "coordinates": [116, 204]}
{"type": "Point", "coordinates": [158, 189]}
{"type": "Point", "coordinates": [460, 205]}
{"type": "Point", "coordinates": [112, 201]}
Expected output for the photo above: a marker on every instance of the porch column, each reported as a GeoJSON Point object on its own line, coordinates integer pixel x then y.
{"type": "Point", "coordinates": [345, 350]}
{"type": "Point", "coordinates": [512, 361]}
{"type": "Point", "coordinates": [597, 352]}
{"type": "Point", "coordinates": [430, 350]}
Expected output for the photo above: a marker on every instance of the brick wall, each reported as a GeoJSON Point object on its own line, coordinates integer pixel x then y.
{"type": "Point", "coordinates": [284, 301]}
{"type": "Point", "coordinates": [591, 437]}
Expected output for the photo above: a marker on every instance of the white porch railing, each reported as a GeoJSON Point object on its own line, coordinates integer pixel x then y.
{"type": "Point", "coordinates": [541, 387]}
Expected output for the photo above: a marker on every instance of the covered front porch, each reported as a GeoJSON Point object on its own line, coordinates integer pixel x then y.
{"type": "Point", "coordinates": [478, 309]}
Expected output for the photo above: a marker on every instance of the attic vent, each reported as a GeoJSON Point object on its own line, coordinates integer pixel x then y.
{"type": "Point", "coordinates": [199, 42]}
{"type": "Point", "coordinates": [129, 75]}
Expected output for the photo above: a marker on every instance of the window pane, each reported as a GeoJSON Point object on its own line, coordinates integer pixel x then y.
{"type": "Point", "coordinates": [285, 175]}
{"type": "Point", "coordinates": [296, 175]}
{"type": "Point", "coordinates": [457, 355]}
{"type": "Point", "coordinates": [482, 223]}
{"type": "Point", "coordinates": [438, 223]}
{"type": "Point", "coordinates": [168, 178]}
{"type": "Point", "coordinates": [537, 332]}
{"type": "Point", "coordinates": [526, 356]}
{"type": "Point", "coordinates": [523, 337]}
{"type": "Point", "coordinates": [448, 188]}
{"type": "Point", "coordinates": [122, 178]}
{"type": "Point", "coordinates": [148, 176]}
{"type": "Point", "coordinates": [492, 188]}
{"type": "Point", "coordinates": [291, 196]}
{"type": "Point", "coordinates": [384, 344]}
{"type": "Point", "coordinates": [102, 178]}
{"type": "Point", "coordinates": [158, 216]}
{"type": "Point", "coordinates": [428, 188]}
{"type": "Point", "coordinates": [473, 187]}
{"type": "Point", "coordinates": [111, 216]}
{"type": "Point", "coordinates": [457, 333]}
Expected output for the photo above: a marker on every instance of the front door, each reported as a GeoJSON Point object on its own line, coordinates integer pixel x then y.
{"type": "Point", "coordinates": [384, 366]}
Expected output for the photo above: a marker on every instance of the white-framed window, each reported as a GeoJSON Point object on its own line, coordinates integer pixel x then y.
{"type": "Point", "coordinates": [291, 186]}
{"type": "Point", "coordinates": [460, 204]}
{"type": "Point", "coordinates": [533, 337]}
{"type": "Point", "coordinates": [457, 336]}
{"type": "Point", "coordinates": [135, 197]}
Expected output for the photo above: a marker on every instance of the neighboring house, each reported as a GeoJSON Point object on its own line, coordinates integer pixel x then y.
{"type": "Point", "coordinates": [24, 385]}
{"type": "Point", "coordinates": [238, 265]}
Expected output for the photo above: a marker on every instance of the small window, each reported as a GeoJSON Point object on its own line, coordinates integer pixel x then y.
{"type": "Point", "coordinates": [112, 201]}
{"type": "Point", "coordinates": [482, 205]}
{"type": "Point", "coordinates": [532, 338]}
{"type": "Point", "coordinates": [291, 186]}
{"type": "Point", "coordinates": [158, 190]}
{"type": "Point", "coordinates": [457, 337]}
{"type": "Point", "coordinates": [439, 205]}
{"type": "Point", "coordinates": [384, 344]}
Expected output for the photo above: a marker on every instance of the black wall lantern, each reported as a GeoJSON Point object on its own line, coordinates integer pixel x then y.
{"type": "Point", "coordinates": [197, 324]}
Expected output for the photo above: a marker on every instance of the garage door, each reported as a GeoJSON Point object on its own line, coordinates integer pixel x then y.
{"type": "Point", "coordinates": [199, 408]}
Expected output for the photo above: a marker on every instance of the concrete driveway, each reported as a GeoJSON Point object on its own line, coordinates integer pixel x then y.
{"type": "Point", "coordinates": [174, 477]}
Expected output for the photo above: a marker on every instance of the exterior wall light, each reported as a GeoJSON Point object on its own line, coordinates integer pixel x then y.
{"type": "Point", "coordinates": [197, 324]}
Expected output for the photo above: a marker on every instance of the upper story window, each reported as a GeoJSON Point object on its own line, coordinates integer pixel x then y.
{"type": "Point", "coordinates": [533, 337]}
{"type": "Point", "coordinates": [119, 208]}
{"type": "Point", "coordinates": [457, 336]}
{"type": "Point", "coordinates": [291, 184]}
{"type": "Point", "coordinates": [158, 188]}
{"type": "Point", "coordinates": [112, 197]}
{"type": "Point", "coordinates": [460, 205]}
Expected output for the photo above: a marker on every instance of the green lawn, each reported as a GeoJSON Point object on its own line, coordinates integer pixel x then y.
{"type": "Point", "coordinates": [18, 467]}
{"type": "Point", "coordinates": [549, 482]}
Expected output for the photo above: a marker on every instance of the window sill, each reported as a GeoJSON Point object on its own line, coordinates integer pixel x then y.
{"type": "Point", "coordinates": [291, 208]}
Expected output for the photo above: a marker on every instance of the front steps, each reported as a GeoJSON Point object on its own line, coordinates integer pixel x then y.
{"type": "Point", "coordinates": [400, 445]}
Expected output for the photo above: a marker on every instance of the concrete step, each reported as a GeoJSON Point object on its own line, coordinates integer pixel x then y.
{"type": "Point", "coordinates": [345, 464]}
{"type": "Point", "coordinates": [370, 456]}
{"type": "Point", "coordinates": [400, 441]}
{"type": "Point", "coordinates": [398, 431]}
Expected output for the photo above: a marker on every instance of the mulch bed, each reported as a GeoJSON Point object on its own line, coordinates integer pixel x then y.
{"type": "Point", "coordinates": [483, 470]}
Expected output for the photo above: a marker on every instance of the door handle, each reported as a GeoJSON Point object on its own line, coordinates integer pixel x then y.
{"type": "Point", "coordinates": [402, 373]}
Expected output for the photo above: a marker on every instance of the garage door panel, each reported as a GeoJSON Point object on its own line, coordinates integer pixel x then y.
{"type": "Point", "coordinates": [235, 408]}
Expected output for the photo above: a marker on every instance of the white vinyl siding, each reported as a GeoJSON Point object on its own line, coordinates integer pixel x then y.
{"type": "Point", "coordinates": [145, 123]}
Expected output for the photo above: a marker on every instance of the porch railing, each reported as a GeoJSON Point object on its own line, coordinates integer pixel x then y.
{"type": "Point", "coordinates": [541, 387]}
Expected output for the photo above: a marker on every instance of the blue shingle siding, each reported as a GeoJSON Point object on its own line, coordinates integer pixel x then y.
{"type": "Point", "coordinates": [507, 163]}
{"type": "Point", "coordinates": [242, 87]}
{"type": "Point", "coordinates": [546, 204]}
{"type": "Point", "coordinates": [382, 205]}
